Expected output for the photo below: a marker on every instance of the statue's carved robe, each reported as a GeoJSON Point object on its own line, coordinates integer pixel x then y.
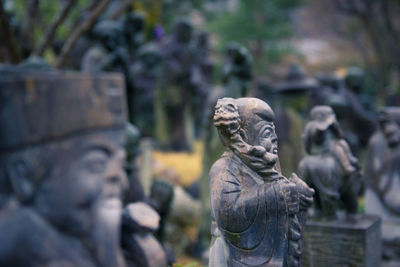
{"type": "Point", "coordinates": [28, 240]}
{"type": "Point", "coordinates": [250, 217]}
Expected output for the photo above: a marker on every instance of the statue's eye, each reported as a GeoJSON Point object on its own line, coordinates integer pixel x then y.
{"type": "Point", "coordinates": [267, 133]}
{"type": "Point", "coordinates": [95, 161]}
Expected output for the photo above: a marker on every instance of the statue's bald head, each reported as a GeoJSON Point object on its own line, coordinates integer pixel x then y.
{"type": "Point", "coordinates": [248, 112]}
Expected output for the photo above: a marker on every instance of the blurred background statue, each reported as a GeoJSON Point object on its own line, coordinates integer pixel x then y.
{"type": "Point", "coordinates": [236, 70]}
{"type": "Point", "coordinates": [330, 167]}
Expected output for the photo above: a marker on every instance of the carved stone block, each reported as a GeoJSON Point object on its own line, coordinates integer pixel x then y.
{"type": "Point", "coordinates": [343, 243]}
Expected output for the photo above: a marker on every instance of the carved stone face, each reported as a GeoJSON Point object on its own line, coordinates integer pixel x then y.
{"type": "Point", "coordinates": [266, 136]}
{"type": "Point", "coordinates": [85, 169]}
{"type": "Point", "coordinates": [391, 130]}
{"type": "Point", "coordinates": [183, 31]}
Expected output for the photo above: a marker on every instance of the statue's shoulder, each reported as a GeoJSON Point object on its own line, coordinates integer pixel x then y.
{"type": "Point", "coordinates": [227, 163]}
{"type": "Point", "coordinates": [20, 229]}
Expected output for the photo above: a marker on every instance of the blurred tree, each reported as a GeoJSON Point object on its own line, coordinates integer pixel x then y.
{"type": "Point", "coordinates": [380, 22]}
{"type": "Point", "coordinates": [31, 27]}
{"type": "Point", "coordinates": [259, 25]}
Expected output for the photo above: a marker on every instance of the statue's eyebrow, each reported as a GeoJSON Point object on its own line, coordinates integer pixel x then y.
{"type": "Point", "coordinates": [100, 148]}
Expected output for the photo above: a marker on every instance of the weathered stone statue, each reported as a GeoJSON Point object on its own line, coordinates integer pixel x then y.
{"type": "Point", "coordinates": [108, 54]}
{"type": "Point", "coordinates": [382, 175]}
{"type": "Point", "coordinates": [257, 213]}
{"type": "Point", "coordinates": [201, 79]}
{"type": "Point", "coordinates": [291, 97]}
{"type": "Point", "coordinates": [145, 72]}
{"type": "Point", "coordinates": [236, 70]}
{"type": "Point", "coordinates": [174, 119]}
{"type": "Point", "coordinates": [383, 163]}
{"type": "Point", "coordinates": [343, 95]}
{"type": "Point", "coordinates": [61, 175]}
{"type": "Point", "coordinates": [133, 30]}
{"type": "Point", "coordinates": [330, 167]}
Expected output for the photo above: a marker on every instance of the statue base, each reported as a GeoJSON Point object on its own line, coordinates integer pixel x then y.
{"type": "Point", "coordinates": [343, 243]}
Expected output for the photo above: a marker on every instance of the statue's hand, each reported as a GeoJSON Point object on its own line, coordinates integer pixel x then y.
{"type": "Point", "coordinates": [306, 193]}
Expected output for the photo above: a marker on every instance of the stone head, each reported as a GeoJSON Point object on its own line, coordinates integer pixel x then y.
{"type": "Point", "coordinates": [389, 121]}
{"type": "Point", "coordinates": [150, 55]}
{"type": "Point", "coordinates": [237, 54]}
{"type": "Point", "coordinates": [322, 127]}
{"type": "Point", "coordinates": [109, 34]}
{"type": "Point", "coordinates": [246, 125]}
{"type": "Point", "coordinates": [354, 79]}
{"type": "Point", "coordinates": [183, 30]}
{"type": "Point", "coordinates": [62, 144]}
{"type": "Point", "coordinates": [133, 27]}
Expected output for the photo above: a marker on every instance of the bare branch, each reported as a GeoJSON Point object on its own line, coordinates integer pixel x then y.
{"type": "Point", "coordinates": [83, 14]}
{"type": "Point", "coordinates": [48, 38]}
{"type": "Point", "coordinates": [8, 37]}
{"type": "Point", "coordinates": [82, 28]}
{"type": "Point", "coordinates": [122, 7]}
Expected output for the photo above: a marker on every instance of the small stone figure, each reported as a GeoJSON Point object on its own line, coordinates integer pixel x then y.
{"type": "Point", "coordinates": [108, 54]}
{"type": "Point", "coordinates": [257, 213]}
{"type": "Point", "coordinates": [201, 79]}
{"type": "Point", "coordinates": [383, 163]}
{"type": "Point", "coordinates": [236, 70]}
{"type": "Point", "coordinates": [145, 72]}
{"type": "Point", "coordinates": [133, 26]}
{"type": "Point", "coordinates": [330, 167]}
{"type": "Point", "coordinates": [290, 100]}
{"type": "Point", "coordinates": [174, 120]}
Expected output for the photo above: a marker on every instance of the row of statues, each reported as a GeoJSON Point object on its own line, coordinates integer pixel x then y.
{"type": "Point", "coordinates": [64, 178]}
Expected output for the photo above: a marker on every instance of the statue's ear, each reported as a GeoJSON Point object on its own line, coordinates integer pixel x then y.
{"type": "Point", "coordinates": [18, 173]}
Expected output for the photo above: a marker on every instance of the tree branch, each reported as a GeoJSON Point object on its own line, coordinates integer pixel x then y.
{"type": "Point", "coordinates": [83, 14]}
{"type": "Point", "coordinates": [48, 38]}
{"type": "Point", "coordinates": [122, 7]}
{"type": "Point", "coordinates": [82, 28]}
{"type": "Point", "coordinates": [8, 37]}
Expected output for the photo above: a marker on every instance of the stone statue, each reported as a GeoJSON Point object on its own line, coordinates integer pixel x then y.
{"type": "Point", "coordinates": [108, 54]}
{"type": "Point", "coordinates": [133, 30]}
{"type": "Point", "coordinates": [236, 70]}
{"type": "Point", "coordinates": [201, 79]}
{"type": "Point", "coordinates": [257, 213]}
{"type": "Point", "coordinates": [290, 100]}
{"type": "Point", "coordinates": [343, 95]}
{"type": "Point", "coordinates": [145, 72]}
{"type": "Point", "coordinates": [61, 175]}
{"type": "Point", "coordinates": [174, 120]}
{"type": "Point", "coordinates": [383, 164]}
{"type": "Point", "coordinates": [330, 167]}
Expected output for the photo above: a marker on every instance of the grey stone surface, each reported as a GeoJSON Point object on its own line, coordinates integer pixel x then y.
{"type": "Point", "coordinates": [343, 243]}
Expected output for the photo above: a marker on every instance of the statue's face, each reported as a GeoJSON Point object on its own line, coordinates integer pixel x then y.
{"type": "Point", "coordinates": [391, 131]}
{"type": "Point", "coordinates": [266, 136]}
{"type": "Point", "coordinates": [183, 33]}
{"type": "Point", "coordinates": [109, 40]}
{"type": "Point", "coordinates": [85, 169]}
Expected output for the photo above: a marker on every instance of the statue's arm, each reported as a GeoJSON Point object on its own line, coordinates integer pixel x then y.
{"type": "Point", "coordinates": [234, 206]}
{"type": "Point", "coordinates": [314, 181]}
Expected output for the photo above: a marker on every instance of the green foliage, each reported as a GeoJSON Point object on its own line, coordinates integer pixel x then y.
{"type": "Point", "coordinates": [264, 23]}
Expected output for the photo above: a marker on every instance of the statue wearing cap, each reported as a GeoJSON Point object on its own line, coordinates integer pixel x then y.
{"type": "Point", "coordinates": [330, 167]}
{"type": "Point", "coordinates": [61, 158]}
{"type": "Point", "coordinates": [257, 213]}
